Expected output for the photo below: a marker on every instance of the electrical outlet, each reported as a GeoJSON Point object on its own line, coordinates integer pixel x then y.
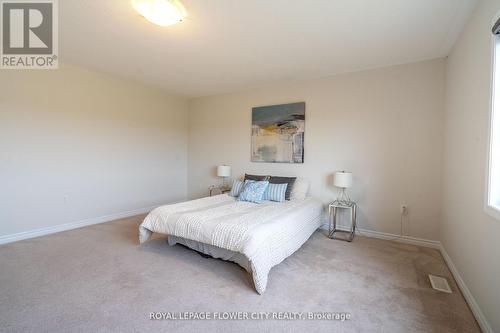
{"type": "Point", "coordinates": [65, 199]}
{"type": "Point", "coordinates": [404, 209]}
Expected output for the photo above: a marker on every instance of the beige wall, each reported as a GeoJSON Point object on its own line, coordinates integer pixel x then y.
{"type": "Point", "coordinates": [470, 236]}
{"type": "Point", "coordinates": [385, 125]}
{"type": "Point", "coordinates": [105, 145]}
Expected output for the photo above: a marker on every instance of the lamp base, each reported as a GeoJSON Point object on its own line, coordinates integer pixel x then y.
{"type": "Point", "coordinates": [224, 187]}
{"type": "Point", "coordinates": [343, 198]}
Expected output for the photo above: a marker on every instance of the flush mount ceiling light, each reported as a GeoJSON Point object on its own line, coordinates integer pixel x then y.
{"type": "Point", "coordinates": [161, 12]}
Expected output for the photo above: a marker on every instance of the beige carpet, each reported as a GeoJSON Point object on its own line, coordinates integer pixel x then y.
{"type": "Point", "coordinates": [99, 279]}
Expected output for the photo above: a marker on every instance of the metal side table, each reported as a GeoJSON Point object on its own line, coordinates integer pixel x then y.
{"type": "Point", "coordinates": [213, 190]}
{"type": "Point", "coordinates": [333, 209]}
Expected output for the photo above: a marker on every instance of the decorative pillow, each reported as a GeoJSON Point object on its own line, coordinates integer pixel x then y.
{"type": "Point", "coordinates": [236, 188]}
{"type": "Point", "coordinates": [253, 191]}
{"type": "Point", "coordinates": [255, 177]}
{"type": "Point", "coordinates": [282, 180]}
{"type": "Point", "coordinates": [300, 188]}
{"type": "Point", "coordinates": [275, 192]}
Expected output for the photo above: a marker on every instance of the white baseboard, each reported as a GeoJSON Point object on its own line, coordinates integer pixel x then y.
{"type": "Point", "coordinates": [476, 310]}
{"type": "Point", "coordinates": [400, 239]}
{"type": "Point", "coordinates": [72, 225]}
{"type": "Point", "coordinates": [397, 238]}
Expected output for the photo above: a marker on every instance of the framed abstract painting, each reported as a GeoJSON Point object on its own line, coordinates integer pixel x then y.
{"type": "Point", "coordinates": [278, 133]}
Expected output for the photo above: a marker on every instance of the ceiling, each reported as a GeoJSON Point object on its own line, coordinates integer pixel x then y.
{"type": "Point", "coordinates": [230, 45]}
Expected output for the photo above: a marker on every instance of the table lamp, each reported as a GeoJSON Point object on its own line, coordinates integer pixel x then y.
{"type": "Point", "coordinates": [224, 171]}
{"type": "Point", "coordinates": [343, 180]}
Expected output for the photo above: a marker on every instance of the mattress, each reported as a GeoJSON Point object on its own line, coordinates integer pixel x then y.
{"type": "Point", "coordinates": [265, 233]}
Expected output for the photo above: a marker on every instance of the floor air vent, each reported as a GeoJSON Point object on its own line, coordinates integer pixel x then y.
{"type": "Point", "coordinates": [440, 283]}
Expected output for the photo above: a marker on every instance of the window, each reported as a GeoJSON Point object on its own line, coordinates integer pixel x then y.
{"type": "Point", "coordinates": [493, 197]}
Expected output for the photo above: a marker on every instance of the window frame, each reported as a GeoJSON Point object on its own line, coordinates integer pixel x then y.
{"type": "Point", "coordinates": [493, 209]}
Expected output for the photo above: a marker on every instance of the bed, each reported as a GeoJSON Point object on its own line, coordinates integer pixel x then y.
{"type": "Point", "coordinates": [255, 236]}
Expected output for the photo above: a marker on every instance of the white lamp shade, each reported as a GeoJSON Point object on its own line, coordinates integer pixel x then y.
{"type": "Point", "coordinates": [224, 171]}
{"type": "Point", "coordinates": [342, 179]}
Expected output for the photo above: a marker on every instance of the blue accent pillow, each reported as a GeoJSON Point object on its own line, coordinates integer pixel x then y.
{"type": "Point", "coordinates": [236, 188]}
{"type": "Point", "coordinates": [253, 191]}
{"type": "Point", "coordinates": [276, 192]}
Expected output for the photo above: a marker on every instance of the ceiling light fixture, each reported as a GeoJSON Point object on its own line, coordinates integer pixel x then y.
{"type": "Point", "coordinates": [161, 12]}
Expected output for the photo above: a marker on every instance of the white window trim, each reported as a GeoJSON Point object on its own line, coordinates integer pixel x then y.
{"type": "Point", "coordinates": [491, 209]}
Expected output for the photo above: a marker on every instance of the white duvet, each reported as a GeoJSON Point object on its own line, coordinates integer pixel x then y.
{"type": "Point", "coordinates": [265, 233]}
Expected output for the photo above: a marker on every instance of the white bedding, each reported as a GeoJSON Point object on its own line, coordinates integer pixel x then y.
{"type": "Point", "coordinates": [213, 251]}
{"type": "Point", "coordinates": [265, 233]}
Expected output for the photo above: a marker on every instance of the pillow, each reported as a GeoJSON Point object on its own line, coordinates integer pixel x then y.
{"type": "Point", "coordinates": [275, 192]}
{"type": "Point", "coordinates": [255, 177]}
{"type": "Point", "coordinates": [300, 188]}
{"type": "Point", "coordinates": [282, 180]}
{"type": "Point", "coordinates": [253, 191]}
{"type": "Point", "coordinates": [236, 188]}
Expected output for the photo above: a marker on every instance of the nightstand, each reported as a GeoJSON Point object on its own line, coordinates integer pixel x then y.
{"type": "Point", "coordinates": [213, 190]}
{"type": "Point", "coordinates": [333, 209]}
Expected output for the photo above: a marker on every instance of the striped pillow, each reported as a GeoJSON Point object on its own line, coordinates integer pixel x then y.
{"type": "Point", "coordinates": [276, 192]}
{"type": "Point", "coordinates": [282, 180]}
{"type": "Point", "coordinates": [236, 189]}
